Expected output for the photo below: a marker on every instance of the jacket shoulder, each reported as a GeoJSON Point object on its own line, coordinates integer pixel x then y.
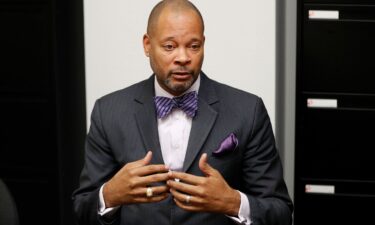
{"type": "Point", "coordinates": [129, 92]}
{"type": "Point", "coordinates": [226, 92]}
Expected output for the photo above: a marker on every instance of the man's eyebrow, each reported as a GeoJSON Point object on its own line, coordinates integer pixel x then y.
{"type": "Point", "coordinates": [171, 38]}
{"type": "Point", "coordinates": [196, 39]}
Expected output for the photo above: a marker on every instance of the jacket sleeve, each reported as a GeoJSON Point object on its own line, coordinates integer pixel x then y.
{"type": "Point", "coordinates": [99, 166]}
{"type": "Point", "coordinates": [264, 184]}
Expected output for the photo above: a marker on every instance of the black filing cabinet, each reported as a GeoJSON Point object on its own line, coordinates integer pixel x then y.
{"type": "Point", "coordinates": [335, 113]}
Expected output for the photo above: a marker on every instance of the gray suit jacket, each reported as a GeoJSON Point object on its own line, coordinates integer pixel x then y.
{"type": "Point", "coordinates": [124, 127]}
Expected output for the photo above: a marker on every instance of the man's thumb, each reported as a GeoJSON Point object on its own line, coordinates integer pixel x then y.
{"type": "Point", "coordinates": [204, 166]}
{"type": "Point", "coordinates": [140, 162]}
{"type": "Point", "coordinates": [147, 159]}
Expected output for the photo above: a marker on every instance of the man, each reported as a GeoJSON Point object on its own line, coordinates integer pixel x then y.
{"type": "Point", "coordinates": [180, 148]}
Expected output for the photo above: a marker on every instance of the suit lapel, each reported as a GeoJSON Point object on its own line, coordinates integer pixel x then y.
{"type": "Point", "coordinates": [203, 122]}
{"type": "Point", "coordinates": [201, 126]}
{"type": "Point", "coordinates": [147, 122]}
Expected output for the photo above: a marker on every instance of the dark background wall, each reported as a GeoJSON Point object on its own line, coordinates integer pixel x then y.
{"type": "Point", "coordinates": [42, 106]}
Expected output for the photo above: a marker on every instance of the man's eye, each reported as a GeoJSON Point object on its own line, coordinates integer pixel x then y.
{"type": "Point", "coordinates": [195, 47]}
{"type": "Point", "coordinates": [168, 47]}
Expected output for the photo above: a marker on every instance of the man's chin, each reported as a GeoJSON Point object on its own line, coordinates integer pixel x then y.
{"type": "Point", "coordinates": [180, 88]}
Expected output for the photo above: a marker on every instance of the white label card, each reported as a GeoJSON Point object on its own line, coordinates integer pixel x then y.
{"type": "Point", "coordinates": [324, 14]}
{"type": "Point", "coordinates": [321, 103]}
{"type": "Point", "coordinates": [319, 189]}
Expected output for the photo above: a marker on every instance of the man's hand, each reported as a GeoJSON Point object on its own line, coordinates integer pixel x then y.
{"type": "Point", "coordinates": [207, 194]}
{"type": "Point", "coordinates": [129, 185]}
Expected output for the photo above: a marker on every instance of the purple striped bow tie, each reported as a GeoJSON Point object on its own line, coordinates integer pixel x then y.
{"type": "Point", "coordinates": [187, 102]}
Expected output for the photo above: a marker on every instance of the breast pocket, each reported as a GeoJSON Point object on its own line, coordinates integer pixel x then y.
{"type": "Point", "coordinates": [229, 165]}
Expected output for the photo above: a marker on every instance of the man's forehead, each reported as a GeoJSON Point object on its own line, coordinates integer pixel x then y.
{"type": "Point", "coordinates": [171, 16]}
{"type": "Point", "coordinates": [174, 16]}
{"type": "Point", "coordinates": [176, 20]}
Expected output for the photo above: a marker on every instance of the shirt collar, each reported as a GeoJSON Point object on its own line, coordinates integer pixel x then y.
{"type": "Point", "coordinates": [159, 91]}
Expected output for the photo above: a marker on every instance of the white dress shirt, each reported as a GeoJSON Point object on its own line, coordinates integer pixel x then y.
{"type": "Point", "coordinates": [174, 132]}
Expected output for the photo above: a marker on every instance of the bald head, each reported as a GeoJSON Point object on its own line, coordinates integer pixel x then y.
{"type": "Point", "coordinates": [176, 6]}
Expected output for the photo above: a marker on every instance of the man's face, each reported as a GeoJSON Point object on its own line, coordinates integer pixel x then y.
{"type": "Point", "coordinates": [176, 48]}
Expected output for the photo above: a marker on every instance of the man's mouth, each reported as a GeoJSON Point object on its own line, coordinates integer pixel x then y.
{"type": "Point", "coordinates": [181, 72]}
{"type": "Point", "coordinates": [181, 75]}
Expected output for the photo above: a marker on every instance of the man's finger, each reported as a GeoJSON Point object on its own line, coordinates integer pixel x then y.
{"type": "Point", "coordinates": [204, 166]}
{"type": "Point", "coordinates": [156, 190]}
{"type": "Point", "coordinates": [183, 187]}
{"type": "Point", "coordinates": [147, 159]}
{"type": "Point", "coordinates": [150, 169]}
{"type": "Point", "coordinates": [153, 178]}
{"type": "Point", "coordinates": [156, 198]}
{"type": "Point", "coordinates": [185, 177]}
{"type": "Point", "coordinates": [142, 162]}
{"type": "Point", "coordinates": [182, 197]}
{"type": "Point", "coordinates": [188, 207]}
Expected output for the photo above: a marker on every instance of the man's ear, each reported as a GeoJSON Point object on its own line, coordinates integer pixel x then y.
{"type": "Point", "coordinates": [146, 44]}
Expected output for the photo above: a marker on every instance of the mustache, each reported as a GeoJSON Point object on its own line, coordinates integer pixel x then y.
{"type": "Point", "coordinates": [182, 69]}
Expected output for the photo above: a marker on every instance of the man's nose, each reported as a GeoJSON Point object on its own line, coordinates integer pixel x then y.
{"type": "Point", "coordinates": [182, 57]}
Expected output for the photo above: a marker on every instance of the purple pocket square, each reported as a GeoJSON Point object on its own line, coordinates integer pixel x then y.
{"type": "Point", "coordinates": [229, 144]}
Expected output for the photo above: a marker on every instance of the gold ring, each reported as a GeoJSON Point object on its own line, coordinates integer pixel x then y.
{"type": "Point", "coordinates": [187, 199]}
{"type": "Point", "coordinates": [149, 192]}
